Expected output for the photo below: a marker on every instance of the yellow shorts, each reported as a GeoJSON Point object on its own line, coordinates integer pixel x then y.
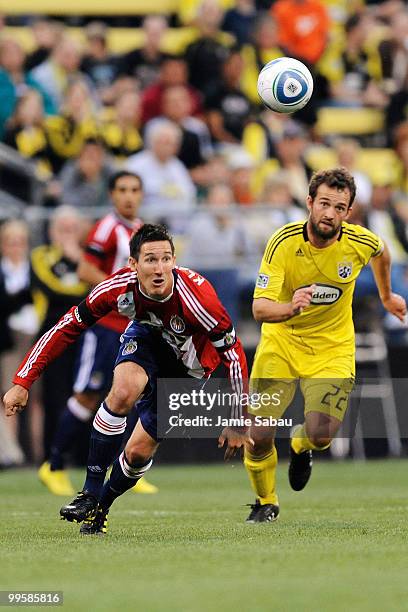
{"type": "Point", "coordinates": [326, 378]}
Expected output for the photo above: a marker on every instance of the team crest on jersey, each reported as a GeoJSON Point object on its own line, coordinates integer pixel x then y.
{"type": "Point", "coordinates": [262, 281]}
{"type": "Point", "coordinates": [177, 324]}
{"type": "Point", "coordinates": [229, 338]}
{"type": "Point", "coordinates": [344, 269]}
{"type": "Point", "coordinates": [130, 347]}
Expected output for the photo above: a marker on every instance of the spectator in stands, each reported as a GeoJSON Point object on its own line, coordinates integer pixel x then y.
{"type": "Point", "coordinates": [120, 126]}
{"type": "Point", "coordinates": [217, 243]}
{"type": "Point", "coordinates": [62, 66]}
{"type": "Point", "coordinates": [68, 131]}
{"type": "Point", "coordinates": [195, 142]}
{"type": "Point", "coordinates": [57, 287]}
{"type": "Point", "coordinates": [241, 181]}
{"type": "Point", "coordinates": [357, 82]}
{"type": "Point", "coordinates": [144, 63]}
{"type": "Point", "coordinates": [383, 216]}
{"type": "Point", "coordinates": [98, 63]}
{"type": "Point", "coordinates": [401, 148]}
{"type": "Point", "coordinates": [347, 150]}
{"type": "Point", "coordinates": [14, 80]}
{"type": "Point", "coordinates": [25, 131]}
{"type": "Point", "coordinates": [290, 149]}
{"type": "Point", "coordinates": [173, 72]}
{"type": "Point", "coordinates": [278, 208]}
{"type": "Point", "coordinates": [303, 27]}
{"type": "Point", "coordinates": [228, 109]}
{"type": "Point", "coordinates": [394, 53]}
{"type": "Point", "coordinates": [262, 48]}
{"type": "Point", "coordinates": [46, 33]}
{"type": "Point", "coordinates": [167, 185]}
{"type": "Point", "coordinates": [206, 55]}
{"type": "Point", "coordinates": [84, 181]}
{"type": "Point", "coordinates": [18, 323]}
{"type": "Point", "coordinates": [239, 20]}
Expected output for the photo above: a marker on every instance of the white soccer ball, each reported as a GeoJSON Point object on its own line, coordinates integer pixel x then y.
{"type": "Point", "coordinates": [285, 85]}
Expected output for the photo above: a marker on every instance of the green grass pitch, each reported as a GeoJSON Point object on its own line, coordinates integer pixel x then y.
{"type": "Point", "coordinates": [341, 544]}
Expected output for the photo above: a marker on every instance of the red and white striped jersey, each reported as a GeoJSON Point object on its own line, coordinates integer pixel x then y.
{"type": "Point", "coordinates": [107, 248]}
{"type": "Point", "coordinates": [191, 320]}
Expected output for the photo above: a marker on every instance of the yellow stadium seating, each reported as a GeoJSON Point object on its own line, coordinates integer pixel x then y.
{"type": "Point", "coordinates": [120, 40]}
{"type": "Point", "coordinates": [349, 121]}
{"type": "Point", "coordinates": [375, 162]}
{"type": "Point", "coordinates": [88, 7]}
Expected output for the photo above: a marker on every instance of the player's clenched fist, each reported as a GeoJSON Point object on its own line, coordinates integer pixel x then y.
{"type": "Point", "coordinates": [302, 298]}
{"type": "Point", "coordinates": [15, 400]}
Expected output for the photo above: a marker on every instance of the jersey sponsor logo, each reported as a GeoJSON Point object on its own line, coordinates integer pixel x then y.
{"type": "Point", "coordinates": [325, 294]}
{"type": "Point", "coordinates": [262, 281]}
{"type": "Point", "coordinates": [130, 347]}
{"type": "Point", "coordinates": [300, 253]}
{"type": "Point", "coordinates": [177, 324]}
{"type": "Point", "coordinates": [344, 269]}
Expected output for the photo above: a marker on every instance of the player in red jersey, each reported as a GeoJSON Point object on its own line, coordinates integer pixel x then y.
{"type": "Point", "coordinates": [106, 250]}
{"type": "Point", "coordinates": [185, 332]}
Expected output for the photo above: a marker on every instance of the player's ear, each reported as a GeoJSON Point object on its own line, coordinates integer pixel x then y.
{"type": "Point", "coordinates": [309, 202]}
{"type": "Point", "coordinates": [132, 264]}
{"type": "Point", "coordinates": [349, 211]}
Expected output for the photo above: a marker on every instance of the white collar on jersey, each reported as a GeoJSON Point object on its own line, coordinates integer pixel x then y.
{"type": "Point", "coordinates": [126, 222]}
{"type": "Point", "coordinates": [166, 299]}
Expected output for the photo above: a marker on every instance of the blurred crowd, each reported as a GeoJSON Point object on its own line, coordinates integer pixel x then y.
{"type": "Point", "coordinates": [217, 167]}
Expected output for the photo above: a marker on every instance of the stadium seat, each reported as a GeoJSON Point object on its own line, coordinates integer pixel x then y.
{"type": "Point", "coordinates": [121, 40]}
{"type": "Point", "coordinates": [90, 7]}
{"type": "Point", "coordinates": [375, 162]}
{"type": "Point", "coordinates": [349, 121]}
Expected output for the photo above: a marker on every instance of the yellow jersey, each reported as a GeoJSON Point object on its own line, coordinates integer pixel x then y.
{"type": "Point", "coordinates": [290, 261]}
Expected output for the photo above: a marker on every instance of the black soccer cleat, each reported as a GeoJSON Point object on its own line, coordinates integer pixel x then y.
{"type": "Point", "coordinates": [300, 469]}
{"type": "Point", "coordinates": [82, 507]}
{"type": "Point", "coordinates": [97, 525]}
{"type": "Point", "coordinates": [266, 513]}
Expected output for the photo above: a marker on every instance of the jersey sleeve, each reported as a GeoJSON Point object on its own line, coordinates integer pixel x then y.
{"type": "Point", "coordinates": [271, 273]}
{"type": "Point", "coordinates": [366, 242]}
{"type": "Point", "coordinates": [101, 301]}
{"type": "Point", "coordinates": [217, 325]}
{"type": "Point", "coordinates": [99, 243]}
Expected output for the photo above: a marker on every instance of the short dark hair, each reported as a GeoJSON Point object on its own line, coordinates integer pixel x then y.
{"type": "Point", "coordinates": [339, 178]}
{"type": "Point", "coordinates": [118, 175]}
{"type": "Point", "coordinates": [149, 233]}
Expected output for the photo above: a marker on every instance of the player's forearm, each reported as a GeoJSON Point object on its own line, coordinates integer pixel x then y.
{"type": "Point", "coordinates": [381, 267]}
{"type": "Point", "coordinates": [267, 311]}
{"type": "Point", "coordinates": [89, 273]}
{"type": "Point", "coordinates": [47, 348]}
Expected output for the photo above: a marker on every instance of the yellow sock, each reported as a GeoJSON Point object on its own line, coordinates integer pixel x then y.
{"type": "Point", "coordinates": [261, 472]}
{"type": "Point", "coordinates": [300, 442]}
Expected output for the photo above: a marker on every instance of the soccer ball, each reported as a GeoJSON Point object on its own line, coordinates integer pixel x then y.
{"type": "Point", "coordinates": [285, 85]}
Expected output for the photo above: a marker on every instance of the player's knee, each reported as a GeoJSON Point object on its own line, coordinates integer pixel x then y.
{"type": "Point", "coordinates": [261, 447]}
{"type": "Point", "coordinates": [137, 454]}
{"type": "Point", "coordinates": [121, 399]}
{"type": "Point", "coordinates": [319, 441]}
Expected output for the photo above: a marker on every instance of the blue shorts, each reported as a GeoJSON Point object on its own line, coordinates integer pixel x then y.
{"type": "Point", "coordinates": [146, 347]}
{"type": "Point", "coordinates": [98, 348]}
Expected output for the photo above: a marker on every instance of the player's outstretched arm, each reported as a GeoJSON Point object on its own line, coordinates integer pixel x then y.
{"type": "Point", "coordinates": [268, 311]}
{"type": "Point", "coordinates": [15, 400]}
{"type": "Point", "coordinates": [392, 302]}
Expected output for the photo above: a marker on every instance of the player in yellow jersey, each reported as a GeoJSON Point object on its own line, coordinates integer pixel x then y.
{"type": "Point", "coordinates": [303, 297]}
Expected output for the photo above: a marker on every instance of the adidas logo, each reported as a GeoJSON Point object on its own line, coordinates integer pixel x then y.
{"type": "Point", "coordinates": [300, 253]}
